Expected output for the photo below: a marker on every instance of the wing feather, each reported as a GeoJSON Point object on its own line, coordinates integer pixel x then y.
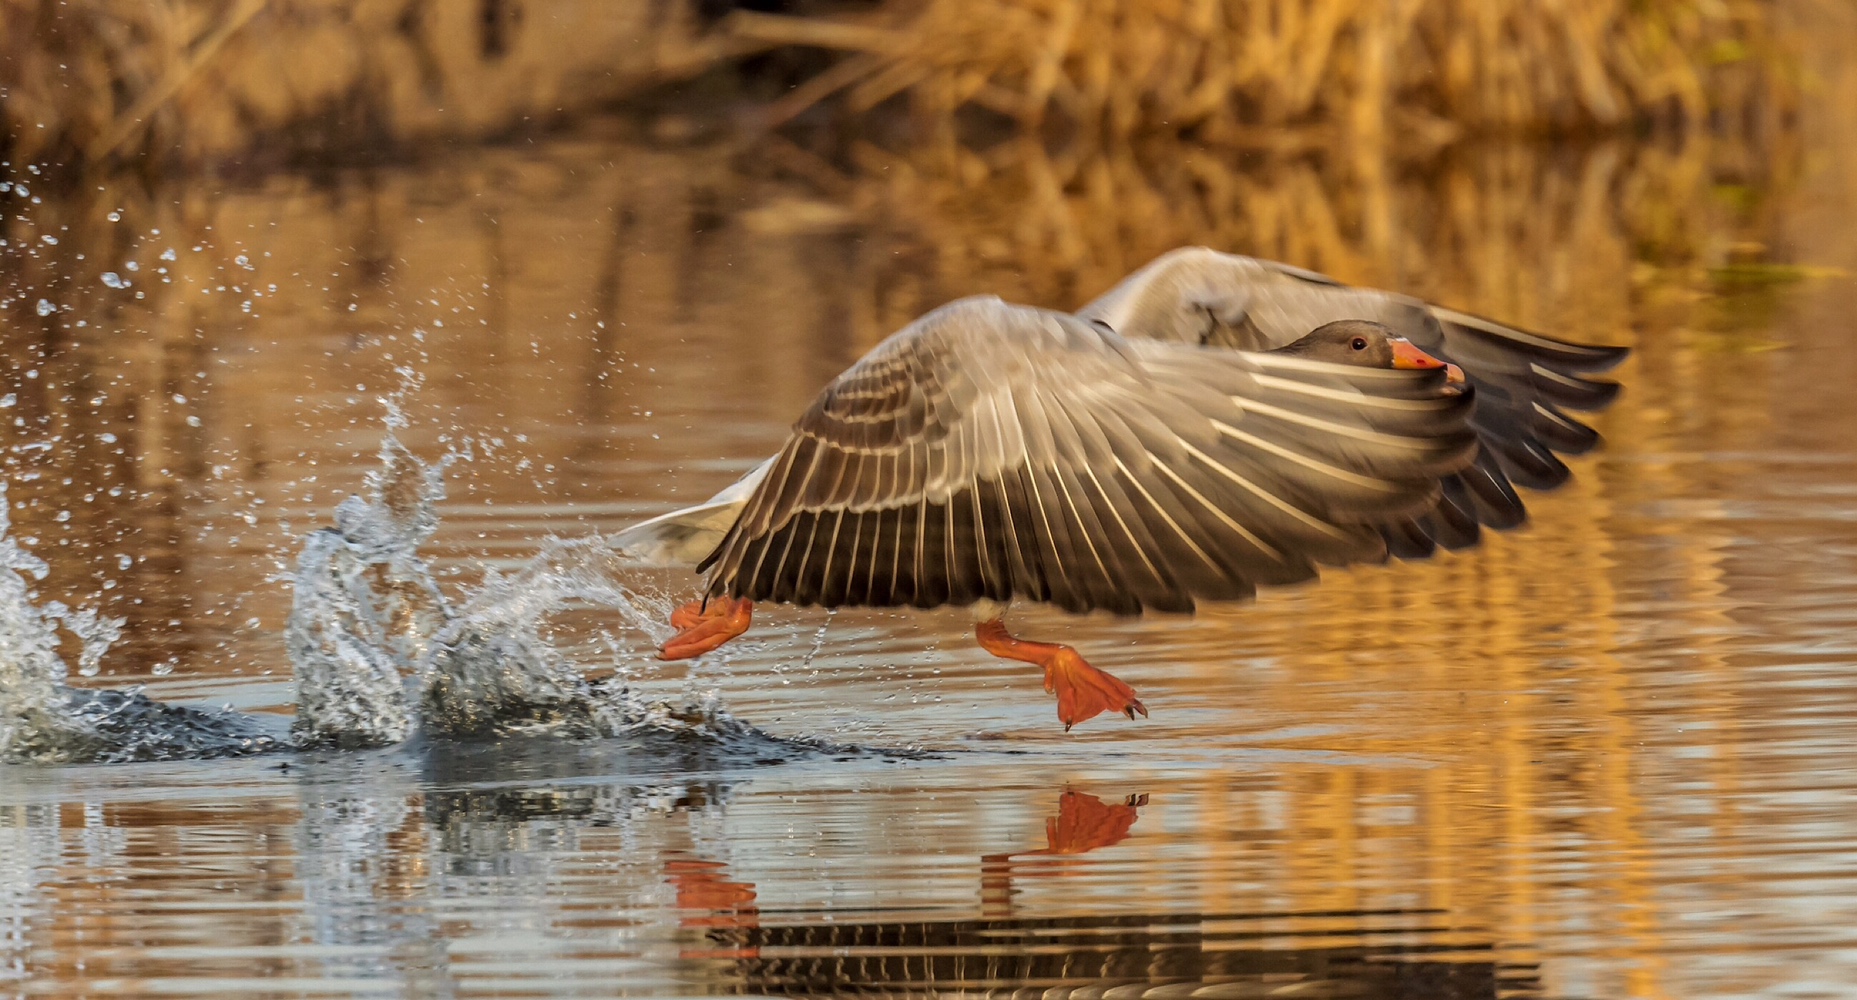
{"type": "Point", "coordinates": [1000, 452]}
{"type": "Point", "coordinates": [1524, 382]}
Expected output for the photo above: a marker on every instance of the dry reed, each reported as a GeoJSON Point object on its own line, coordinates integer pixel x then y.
{"type": "Point", "coordinates": [1229, 68]}
{"type": "Point", "coordinates": [211, 81]}
{"type": "Point", "coordinates": [217, 81]}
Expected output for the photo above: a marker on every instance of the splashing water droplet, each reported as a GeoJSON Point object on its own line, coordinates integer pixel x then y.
{"type": "Point", "coordinates": [45, 307]}
{"type": "Point", "coordinates": [379, 651]}
{"type": "Point", "coordinates": [114, 280]}
{"type": "Point", "coordinates": [34, 720]}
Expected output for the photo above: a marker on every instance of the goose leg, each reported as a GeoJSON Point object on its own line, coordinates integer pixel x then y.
{"type": "Point", "coordinates": [1083, 692]}
{"type": "Point", "coordinates": [704, 629]}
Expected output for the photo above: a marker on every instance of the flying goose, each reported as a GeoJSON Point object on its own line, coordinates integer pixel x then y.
{"type": "Point", "coordinates": [989, 452]}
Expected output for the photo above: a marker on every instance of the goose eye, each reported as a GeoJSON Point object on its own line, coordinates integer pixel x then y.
{"type": "Point", "coordinates": [1360, 343]}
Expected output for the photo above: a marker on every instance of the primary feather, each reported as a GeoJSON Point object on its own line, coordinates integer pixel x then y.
{"type": "Point", "coordinates": [1525, 382]}
{"type": "Point", "coordinates": [991, 451]}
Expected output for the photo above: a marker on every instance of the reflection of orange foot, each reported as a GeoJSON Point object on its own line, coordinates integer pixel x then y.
{"type": "Point", "coordinates": [1083, 692]}
{"type": "Point", "coordinates": [1084, 822]}
{"type": "Point", "coordinates": [704, 885]}
{"type": "Point", "coordinates": [705, 628]}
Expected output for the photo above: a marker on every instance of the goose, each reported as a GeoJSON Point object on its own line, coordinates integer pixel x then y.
{"type": "Point", "coordinates": [989, 453]}
{"type": "Point", "coordinates": [1186, 436]}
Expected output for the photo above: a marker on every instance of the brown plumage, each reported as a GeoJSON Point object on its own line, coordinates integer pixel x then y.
{"type": "Point", "coordinates": [997, 452]}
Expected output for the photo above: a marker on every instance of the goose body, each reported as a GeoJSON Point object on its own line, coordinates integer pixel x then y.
{"type": "Point", "coordinates": [1177, 440]}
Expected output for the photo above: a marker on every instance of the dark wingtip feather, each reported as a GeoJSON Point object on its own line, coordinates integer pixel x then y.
{"type": "Point", "coordinates": [1561, 432]}
{"type": "Point", "coordinates": [1495, 501]}
{"type": "Point", "coordinates": [1408, 539]}
{"type": "Point", "coordinates": [1574, 393]}
{"type": "Point", "coordinates": [1454, 520]}
{"type": "Point", "coordinates": [1607, 358]}
{"type": "Point", "coordinates": [1561, 354]}
{"type": "Point", "coordinates": [1530, 465]}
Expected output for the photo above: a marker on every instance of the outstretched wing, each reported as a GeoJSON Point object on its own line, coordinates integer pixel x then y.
{"type": "Point", "coordinates": [996, 451]}
{"type": "Point", "coordinates": [1525, 383]}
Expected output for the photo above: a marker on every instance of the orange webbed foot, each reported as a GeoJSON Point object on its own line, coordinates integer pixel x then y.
{"type": "Point", "coordinates": [1084, 692]}
{"type": "Point", "coordinates": [703, 629]}
{"type": "Point", "coordinates": [688, 615]}
{"type": "Point", "coordinates": [713, 901]}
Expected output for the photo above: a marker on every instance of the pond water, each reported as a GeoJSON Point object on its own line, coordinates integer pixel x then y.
{"type": "Point", "coordinates": [1607, 754]}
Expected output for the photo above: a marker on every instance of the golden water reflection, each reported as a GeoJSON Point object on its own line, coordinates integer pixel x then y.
{"type": "Point", "coordinates": [1604, 755]}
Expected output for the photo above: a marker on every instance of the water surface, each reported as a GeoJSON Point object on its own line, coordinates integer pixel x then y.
{"type": "Point", "coordinates": [1604, 755]}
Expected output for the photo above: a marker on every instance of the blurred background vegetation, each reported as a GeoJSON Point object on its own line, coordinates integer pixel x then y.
{"type": "Point", "coordinates": [1051, 144]}
{"type": "Point", "coordinates": [220, 83]}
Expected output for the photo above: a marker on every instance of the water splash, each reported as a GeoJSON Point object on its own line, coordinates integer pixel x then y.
{"type": "Point", "coordinates": [365, 608]}
{"type": "Point", "coordinates": [46, 721]}
{"type": "Point", "coordinates": [493, 669]}
{"type": "Point", "coordinates": [31, 671]}
{"type": "Point", "coordinates": [381, 655]}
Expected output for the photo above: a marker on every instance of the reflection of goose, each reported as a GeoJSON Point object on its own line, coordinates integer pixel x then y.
{"type": "Point", "coordinates": [1384, 955]}
{"type": "Point", "coordinates": [708, 896]}
{"type": "Point", "coordinates": [990, 452]}
{"type": "Point", "coordinates": [1233, 954]}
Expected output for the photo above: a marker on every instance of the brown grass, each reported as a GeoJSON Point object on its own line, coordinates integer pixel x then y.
{"type": "Point", "coordinates": [217, 81]}
{"type": "Point", "coordinates": [1228, 68]}
{"type": "Point", "coordinates": [212, 81]}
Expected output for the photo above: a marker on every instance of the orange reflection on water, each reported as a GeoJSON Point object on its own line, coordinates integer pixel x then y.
{"type": "Point", "coordinates": [1622, 753]}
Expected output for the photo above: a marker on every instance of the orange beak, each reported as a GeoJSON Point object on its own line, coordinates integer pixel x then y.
{"type": "Point", "coordinates": [1407, 355]}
